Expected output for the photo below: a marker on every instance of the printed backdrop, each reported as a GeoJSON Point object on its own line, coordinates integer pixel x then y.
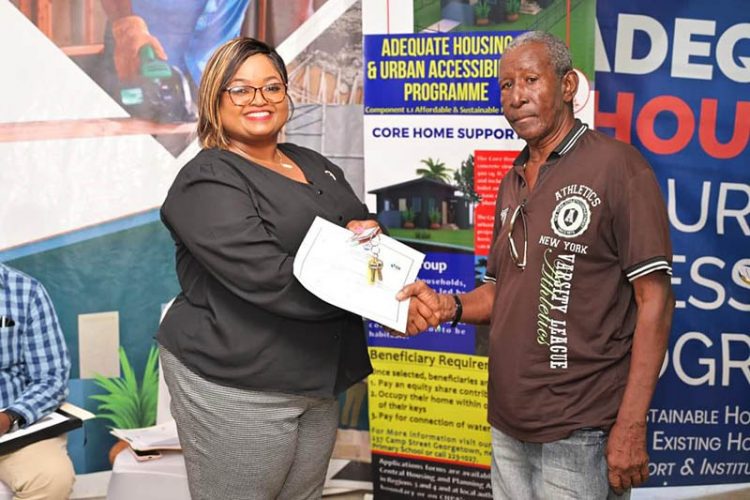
{"type": "Point", "coordinates": [87, 157]}
{"type": "Point", "coordinates": [672, 79]}
{"type": "Point", "coordinates": [436, 148]}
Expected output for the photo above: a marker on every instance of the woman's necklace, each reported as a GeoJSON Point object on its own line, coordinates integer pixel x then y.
{"type": "Point", "coordinates": [279, 160]}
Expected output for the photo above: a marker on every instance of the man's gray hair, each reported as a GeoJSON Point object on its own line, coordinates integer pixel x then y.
{"type": "Point", "coordinates": [558, 53]}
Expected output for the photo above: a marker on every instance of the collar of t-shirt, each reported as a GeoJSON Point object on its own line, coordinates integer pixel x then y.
{"type": "Point", "coordinates": [563, 147]}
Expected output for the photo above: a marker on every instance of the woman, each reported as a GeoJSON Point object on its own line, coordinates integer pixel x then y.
{"type": "Point", "coordinates": [253, 361]}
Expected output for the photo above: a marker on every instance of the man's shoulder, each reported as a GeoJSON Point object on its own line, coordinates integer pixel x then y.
{"type": "Point", "coordinates": [611, 152]}
{"type": "Point", "coordinates": [600, 140]}
{"type": "Point", "coordinates": [12, 277]}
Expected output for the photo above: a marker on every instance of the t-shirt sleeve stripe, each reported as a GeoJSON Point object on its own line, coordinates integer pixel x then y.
{"type": "Point", "coordinates": [649, 266]}
{"type": "Point", "coordinates": [488, 278]}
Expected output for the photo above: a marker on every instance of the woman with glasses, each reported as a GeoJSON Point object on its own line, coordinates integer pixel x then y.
{"type": "Point", "coordinates": [252, 360]}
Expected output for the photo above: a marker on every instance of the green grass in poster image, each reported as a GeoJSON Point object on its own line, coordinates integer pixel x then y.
{"type": "Point", "coordinates": [458, 238]}
{"type": "Point", "coordinates": [551, 19]}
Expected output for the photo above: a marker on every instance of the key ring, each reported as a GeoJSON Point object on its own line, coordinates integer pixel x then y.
{"type": "Point", "coordinates": [374, 264]}
{"type": "Point", "coordinates": [374, 243]}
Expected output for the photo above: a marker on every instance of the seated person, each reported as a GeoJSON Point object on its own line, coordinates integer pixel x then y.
{"type": "Point", "coordinates": [34, 372]}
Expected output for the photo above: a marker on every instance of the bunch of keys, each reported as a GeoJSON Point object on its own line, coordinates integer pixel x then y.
{"type": "Point", "coordinates": [374, 264]}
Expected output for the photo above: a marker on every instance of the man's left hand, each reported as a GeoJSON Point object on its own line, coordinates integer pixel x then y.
{"type": "Point", "coordinates": [627, 459]}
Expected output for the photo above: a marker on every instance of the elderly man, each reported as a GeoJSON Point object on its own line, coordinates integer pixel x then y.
{"type": "Point", "coordinates": [34, 372]}
{"type": "Point", "coordinates": [577, 294]}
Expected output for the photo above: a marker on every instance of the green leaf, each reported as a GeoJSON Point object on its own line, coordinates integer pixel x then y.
{"type": "Point", "coordinates": [128, 373]}
{"type": "Point", "coordinates": [436, 170]}
{"type": "Point", "coordinates": [125, 403]}
{"type": "Point", "coordinates": [120, 406]}
{"type": "Point", "coordinates": [105, 383]}
{"type": "Point", "coordinates": [150, 387]}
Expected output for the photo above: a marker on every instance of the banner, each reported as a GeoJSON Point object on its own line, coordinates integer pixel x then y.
{"type": "Point", "coordinates": [436, 149]}
{"type": "Point", "coordinates": [672, 79]}
{"type": "Point", "coordinates": [91, 138]}
{"type": "Point", "coordinates": [427, 428]}
{"type": "Point", "coordinates": [454, 73]}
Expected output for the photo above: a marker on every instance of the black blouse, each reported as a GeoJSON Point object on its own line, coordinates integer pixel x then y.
{"type": "Point", "coordinates": [242, 318]}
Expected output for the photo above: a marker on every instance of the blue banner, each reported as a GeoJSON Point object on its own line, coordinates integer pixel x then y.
{"type": "Point", "coordinates": [450, 73]}
{"type": "Point", "coordinates": [673, 81]}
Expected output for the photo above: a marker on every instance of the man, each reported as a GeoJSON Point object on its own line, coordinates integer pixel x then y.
{"type": "Point", "coordinates": [576, 292]}
{"type": "Point", "coordinates": [34, 372]}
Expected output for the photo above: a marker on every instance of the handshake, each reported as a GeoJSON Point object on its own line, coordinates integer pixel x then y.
{"type": "Point", "coordinates": [427, 308]}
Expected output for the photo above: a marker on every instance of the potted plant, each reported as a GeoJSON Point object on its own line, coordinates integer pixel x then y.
{"type": "Point", "coordinates": [126, 404]}
{"type": "Point", "coordinates": [408, 217]}
{"type": "Point", "coordinates": [482, 11]}
{"type": "Point", "coordinates": [435, 218]}
{"type": "Point", "coordinates": [512, 8]}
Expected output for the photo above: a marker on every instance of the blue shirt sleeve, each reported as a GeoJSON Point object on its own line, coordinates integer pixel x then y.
{"type": "Point", "coordinates": [45, 357]}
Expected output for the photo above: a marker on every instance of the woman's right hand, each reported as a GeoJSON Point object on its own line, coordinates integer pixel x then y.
{"type": "Point", "coordinates": [364, 230]}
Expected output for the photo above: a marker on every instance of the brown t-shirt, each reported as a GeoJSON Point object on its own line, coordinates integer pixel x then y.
{"type": "Point", "coordinates": [562, 327]}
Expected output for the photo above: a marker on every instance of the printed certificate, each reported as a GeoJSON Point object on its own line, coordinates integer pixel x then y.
{"type": "Point", "coordinates": [340, 271]}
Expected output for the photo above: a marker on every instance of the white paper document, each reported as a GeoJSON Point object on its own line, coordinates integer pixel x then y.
{"type": "Point", "coordinates": [335, 269]}
{"type": "Point", "coordinates": [77, 411]}
{"type": "Point", "coordinates": [156, 437]}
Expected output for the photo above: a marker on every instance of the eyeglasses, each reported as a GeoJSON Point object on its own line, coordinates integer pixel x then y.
{"type": "Point", "coordinates": [240, 95]}
{"type": "Point", "coordinates": [519, 262]}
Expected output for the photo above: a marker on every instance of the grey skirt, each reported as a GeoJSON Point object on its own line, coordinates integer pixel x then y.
{"type": "Point", "coordinates": [250, 445]}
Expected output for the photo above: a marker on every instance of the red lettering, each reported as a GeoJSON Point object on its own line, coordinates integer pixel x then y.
{"type": "Point", "coordinates": [644, 125]}
{"type": "Point", "coordinates": [620, 119]}
{"type": "Point", "coordinates": [707, 130]}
